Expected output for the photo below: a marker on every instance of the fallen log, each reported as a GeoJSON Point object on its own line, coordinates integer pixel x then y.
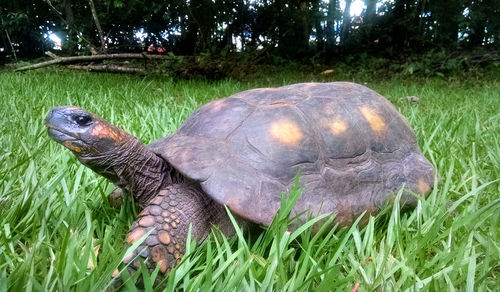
{"type": "Point", "coordinates": [107, 68]}
{"type": "Point", "coordinates": [77, 59]}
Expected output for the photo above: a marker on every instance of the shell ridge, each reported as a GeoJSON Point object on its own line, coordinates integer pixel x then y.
{"type": "Point", "coordinates": [228, 136]}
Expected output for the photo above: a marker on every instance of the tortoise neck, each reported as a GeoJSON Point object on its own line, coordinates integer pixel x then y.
{"type": "Point", "coordinates": [135, 169]}
{"type": "Point", "coordinates": [141, 172]}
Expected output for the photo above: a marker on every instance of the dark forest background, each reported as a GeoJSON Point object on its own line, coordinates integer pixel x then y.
{"type": "Point", "coordinates": [264, 31]}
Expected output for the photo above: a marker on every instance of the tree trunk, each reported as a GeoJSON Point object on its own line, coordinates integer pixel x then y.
{"type": "Point", "coordinates": [398, 29]}
{"type": "Point", "coordinates": [303, 28]}
{"type": "Point", "coordinates": [448, 14]}
{"type": "Point", "coordinates": [369, 22]}
{"type": "Point", "coordinates": [70, 20]}
{"type": "Point", "coordinates": [371, 11]}
{"type": "Point", "coordinates": [98, 25]}
{"type": "Point", "coordinates": [320, 37]}
{"type": "Point", "coordinates": [11, 45]}
{"type": "Point", "coordinates": [330, 26]}
{"type": "Point", "coordinates": [477, 23]}
{"type": "Point", "coordinates": [68, 12]}
{"type": "Point", "coordinates": [346, 24]}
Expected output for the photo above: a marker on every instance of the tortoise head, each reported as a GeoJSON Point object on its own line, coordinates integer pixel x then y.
{"type": "Point", "coordinates": [93, 140]}
{"type": "Point", "coordinates": [109, 151]}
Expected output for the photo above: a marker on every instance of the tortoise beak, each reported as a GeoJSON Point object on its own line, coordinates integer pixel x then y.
{"type": "Point", "coordinates": [59, 136]}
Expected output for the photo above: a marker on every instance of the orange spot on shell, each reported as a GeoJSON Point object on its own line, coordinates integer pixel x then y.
{"type": "Point", "coordinates": [422, 187]}
{"type": "Point", "coordinates": [135, 235]}
{"type": "Point", "coordinates": [338, 127]}
{"type": "Point", "coordinates": [373, 118]}
{"type": "Point", "coordinates": [286, 131]}
{"type": "Point", "coordinates": [115, 273]}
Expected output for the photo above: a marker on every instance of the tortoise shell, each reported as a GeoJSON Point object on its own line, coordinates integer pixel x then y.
{"type": "Point", "coordinates": [353, 149]}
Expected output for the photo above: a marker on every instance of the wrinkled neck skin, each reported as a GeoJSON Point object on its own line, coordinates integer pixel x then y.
{"type": "Point", "coordinates": [133, 168]}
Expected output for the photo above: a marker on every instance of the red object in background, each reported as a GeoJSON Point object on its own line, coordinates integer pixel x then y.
{"type": "Point", "coordinates": [153, 49]}
{"type": "Point", "coordinates": [356, 286]}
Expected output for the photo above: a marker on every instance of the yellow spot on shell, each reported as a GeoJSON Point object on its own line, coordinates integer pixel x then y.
{"type": "Point", "coordinates": [422, 187]}
{"type": "Point", "coordinates": [373, 118]}
{"type": "Point", "coordinates": [286, 131]}
{"type": "Point", "coordinates": [338, 127]}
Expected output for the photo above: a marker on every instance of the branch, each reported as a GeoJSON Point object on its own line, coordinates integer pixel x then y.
{"type": "Point", "coordinates": [52, 55]}
{"type": "Point", "coordinates": [108, 68]}
{"type": "Point", "coordinates": [98, 25]}
{"type": "Point", "coordinates": [76, 59]}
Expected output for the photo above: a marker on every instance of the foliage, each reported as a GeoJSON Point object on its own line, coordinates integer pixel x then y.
{"type": "Point", "coordinates": [293, 30]}
{"type": "Point", "coordinates": [58, 232]}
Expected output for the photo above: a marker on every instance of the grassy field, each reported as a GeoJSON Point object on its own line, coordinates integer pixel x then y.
{"type": "Point", "coordinates": [58, 232]}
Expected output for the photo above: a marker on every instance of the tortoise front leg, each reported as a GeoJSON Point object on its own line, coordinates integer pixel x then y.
{"type": "Point", "coordinates": [169, 214]}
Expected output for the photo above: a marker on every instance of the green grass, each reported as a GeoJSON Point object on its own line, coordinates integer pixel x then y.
{"type": "Point", "coordinates": [58, 232]}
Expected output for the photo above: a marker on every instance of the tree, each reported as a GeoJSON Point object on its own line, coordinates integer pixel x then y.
{"type": "Point", "coordinates": [285, 29]}
{"type": "Point", "coordinates": [448, 14]}
{"type": "Point", "coordinates": [331, 29]}
{"type": "Point", "coordinates": [346, 24]}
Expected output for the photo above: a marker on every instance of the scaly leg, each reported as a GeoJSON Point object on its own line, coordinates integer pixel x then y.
{"type": "Point", "coordinates": [169, 215]}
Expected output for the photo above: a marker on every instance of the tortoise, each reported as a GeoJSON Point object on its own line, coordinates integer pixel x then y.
{"type": "Point", "coordinates": [353, 149]}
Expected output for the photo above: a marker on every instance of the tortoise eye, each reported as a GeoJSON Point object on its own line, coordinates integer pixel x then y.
{"type": "Point", "coordinates": [82, 120]}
